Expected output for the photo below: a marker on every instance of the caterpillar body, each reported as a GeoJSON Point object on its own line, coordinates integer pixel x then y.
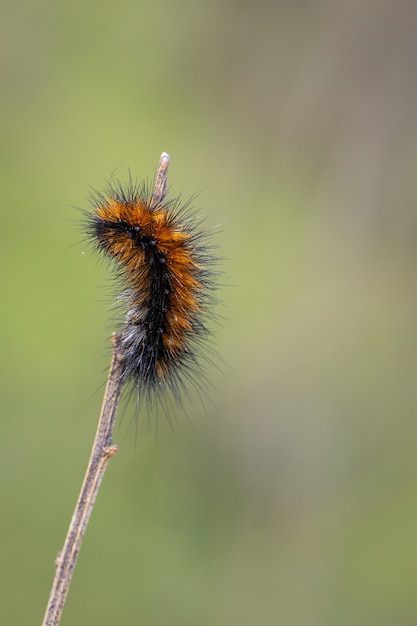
{"type": "Point", "coordinates": [166, 263]}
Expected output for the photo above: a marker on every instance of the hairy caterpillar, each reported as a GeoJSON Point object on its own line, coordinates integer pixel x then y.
{"type": "Point", "coordinates": [166, 263]}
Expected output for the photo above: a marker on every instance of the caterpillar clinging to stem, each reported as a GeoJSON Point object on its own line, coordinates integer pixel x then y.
{"type": "Point", "coordinates": [165, 261]}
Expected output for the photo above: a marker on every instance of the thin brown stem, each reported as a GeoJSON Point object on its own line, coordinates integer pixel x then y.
{"type": "Point", "coordinates": [102, 451]}
{"type": "Point", "coordinates": [161, 180]}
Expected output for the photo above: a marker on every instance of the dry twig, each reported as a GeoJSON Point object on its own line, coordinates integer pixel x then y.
{"type": "Point", "coordinates": [103, 449]}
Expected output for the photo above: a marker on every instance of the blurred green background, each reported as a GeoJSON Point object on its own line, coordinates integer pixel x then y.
{"type": "Point", "coordinates": [294, 500]}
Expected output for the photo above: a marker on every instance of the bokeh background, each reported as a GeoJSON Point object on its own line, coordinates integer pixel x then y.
{"type": "Point", "coordinates": [293, 499]}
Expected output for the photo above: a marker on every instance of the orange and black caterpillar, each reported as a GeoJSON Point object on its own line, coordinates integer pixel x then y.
{"type": "Point", "coordinates": [165, 261]}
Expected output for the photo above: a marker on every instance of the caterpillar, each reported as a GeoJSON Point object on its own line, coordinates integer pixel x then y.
{"type": "Point", "coordinates": [165, 261]}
